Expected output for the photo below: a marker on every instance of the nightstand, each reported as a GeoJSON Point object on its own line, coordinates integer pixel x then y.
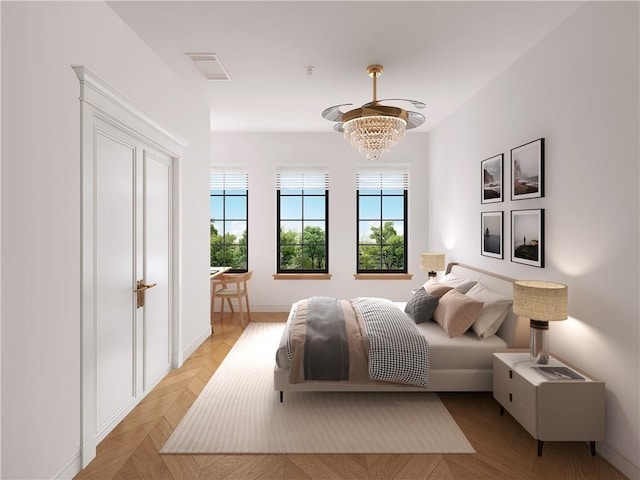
{"type": "Point", "coordinates": [550, 410]}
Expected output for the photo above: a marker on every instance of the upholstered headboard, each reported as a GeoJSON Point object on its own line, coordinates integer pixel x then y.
{"type": "Point", "coordinates": [515, 329]}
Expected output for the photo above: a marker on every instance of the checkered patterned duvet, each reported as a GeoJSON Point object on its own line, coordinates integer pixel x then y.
{"type": "Point", "coordinates": [397, 351]}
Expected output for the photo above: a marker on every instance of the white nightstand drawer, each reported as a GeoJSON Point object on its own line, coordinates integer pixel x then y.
{"type": "Point", "coordinates": [507, 383]}
{"type": "Point", "coordinates": [524, 415]}
{"type": "Point", "coordinates": [523, 391]}
{"type": "Point", "coordinates": [500, 393]}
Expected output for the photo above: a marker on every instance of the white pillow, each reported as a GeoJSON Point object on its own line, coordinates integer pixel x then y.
{"type": "Point", "coordinates": [429, 282]}
{"type": "Point", "coordinates": [495, 310]}
{"type": "Point", "coordinates": [461, 284]}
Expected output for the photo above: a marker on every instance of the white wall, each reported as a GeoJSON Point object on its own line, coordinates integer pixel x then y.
{"type": "Point", "coordinates": [262, 153]}
{"type": "Point", "coordinates": [0, 255]}
{"type": "Point", "coordinates": [579, 89]}
{"type": "Point", "coordinates": [41, 213]}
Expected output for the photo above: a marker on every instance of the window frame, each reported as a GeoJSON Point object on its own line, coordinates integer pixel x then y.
{"type": "Point", "coordinates": [230, 182]}
{"type": "Point", "coordinates": [282, 186]}
{"type": "Point", "coordinates": [397, 187]}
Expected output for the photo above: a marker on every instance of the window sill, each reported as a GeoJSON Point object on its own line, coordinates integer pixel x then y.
{"type": "Point", "coordinates": [302, 276]}
{"type": "Point", "coordinates": [383, 276]}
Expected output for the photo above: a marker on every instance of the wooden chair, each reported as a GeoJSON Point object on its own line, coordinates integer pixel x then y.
{"type": "Point", "coordinates": [234, 285]}
{"type": "Point", "coordinates": [216, 286]}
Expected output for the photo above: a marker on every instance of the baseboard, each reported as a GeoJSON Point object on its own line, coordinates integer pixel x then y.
{"type": "Point", "coordinates": [193, 346]}
{"type": "Point", "coordinates": [619, 461]}
{"type": "Point", "coordinates": [71, 469]}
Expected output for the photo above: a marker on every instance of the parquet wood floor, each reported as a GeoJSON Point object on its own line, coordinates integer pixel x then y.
{"type": "Point", "coordinates": [504, 450]}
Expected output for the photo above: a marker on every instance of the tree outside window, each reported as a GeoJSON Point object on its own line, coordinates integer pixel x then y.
{"type": "Point", "coordinates": [382, 222]}
{"type": "Point", "coordinates": [228, 206]}
{"type": "Point", "coordinates": [302, 210]}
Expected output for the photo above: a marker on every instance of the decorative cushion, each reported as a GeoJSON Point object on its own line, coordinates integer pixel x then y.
{"type": "Point", "coordinates": [456, 312]}
{"type": "Point", "coordinates": [495, 310]}
{"type": "Point", "coordinates": [421, 306]}
{"type": "Point", "coordinates": [436, 288]}
{"type": "Point", "coordinates": [461, 284]}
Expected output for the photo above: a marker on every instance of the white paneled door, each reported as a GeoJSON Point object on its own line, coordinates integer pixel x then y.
{"type": "Point", "coordinates": [132, 195]}
{"type": "Point", "coordinates": [131, 257]}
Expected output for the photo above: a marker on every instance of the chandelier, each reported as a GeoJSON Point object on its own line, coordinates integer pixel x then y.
{"type": "Point", "coordinates": [374, 128]}
{"type": "Point", "coordinates": [375, 134]}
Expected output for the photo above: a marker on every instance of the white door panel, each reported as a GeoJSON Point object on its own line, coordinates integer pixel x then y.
{"type": "Point", "coordinates": [157, 236]}
{"type": "Point", "coordinates": [114, 193]}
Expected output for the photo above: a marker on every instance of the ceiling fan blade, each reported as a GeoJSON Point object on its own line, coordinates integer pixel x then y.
{"type": "Point", "coordinates": [334, 114]}
{"type": "Point", "coordinates": [338, 127]}
{"type": "Point", "coordinates": [414, 119]}
{"type": "Point", "coordinates": [415, 103]}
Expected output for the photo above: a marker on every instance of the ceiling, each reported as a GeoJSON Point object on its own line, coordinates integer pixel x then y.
{"type": "Point", "coordinates": [440, 53]}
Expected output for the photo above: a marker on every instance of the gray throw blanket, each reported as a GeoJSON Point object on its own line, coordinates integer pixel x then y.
{"type": "Point", "coordinates": [326, 348]}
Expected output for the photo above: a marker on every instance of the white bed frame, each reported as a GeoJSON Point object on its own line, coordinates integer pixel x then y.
{"type": "Point", "coordinates": [514, 331]}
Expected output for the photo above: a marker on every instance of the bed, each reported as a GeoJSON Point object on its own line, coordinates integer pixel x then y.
{"type": "Point", "coordinates": [461, 363]}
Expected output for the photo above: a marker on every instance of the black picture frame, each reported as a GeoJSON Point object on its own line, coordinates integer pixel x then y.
{"type": "Point", "coordinates": [491, 179]}
{"type": "Point", "coordinates": [527, 237]}
{"type": "Point", "coordinates": [492, 234]}
{"type": "Point", "coordinates": [527, 170]}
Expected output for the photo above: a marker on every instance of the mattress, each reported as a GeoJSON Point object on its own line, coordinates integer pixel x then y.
{"type": "Point", "coordinates": [467, 351]}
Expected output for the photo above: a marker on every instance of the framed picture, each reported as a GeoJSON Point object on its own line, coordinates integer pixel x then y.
{"type": "Point", "coordinates": [492, 233]}
{"type": "Point", "coordinates": [527, 170]}
{"type": "Point", "coordinates": [527, 237]}
{"type": "Point", "coordinates": [491, 169]}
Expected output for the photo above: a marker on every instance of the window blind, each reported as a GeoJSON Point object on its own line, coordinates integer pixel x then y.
{"type": "Point", "coordinates": [382, 179]}
{"type": "Point", "coordinates": [228, 180]}
{"type": "Point", "coordinates": [302, 180]}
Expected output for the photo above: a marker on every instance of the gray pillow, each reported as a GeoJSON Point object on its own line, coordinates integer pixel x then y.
{"type": "Point", "coordinates": [421, 306]}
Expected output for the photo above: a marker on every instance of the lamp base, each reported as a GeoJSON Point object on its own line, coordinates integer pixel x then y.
{"type": "Point", "coordinates": [432, 274]}
{"type": "Point", "coordinates": [539, 344]}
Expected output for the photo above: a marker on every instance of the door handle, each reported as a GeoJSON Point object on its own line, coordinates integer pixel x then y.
{"type": "Point", "coordinates": [139, 291]}
{"type": "Point", "coordinates": [142, 287]}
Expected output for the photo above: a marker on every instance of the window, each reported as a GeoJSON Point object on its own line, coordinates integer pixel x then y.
{"type": "Point", "coordinates": [303, 219]}
{"type": "Point", "coordinates": [382, 221]}
{"type": "Point", "coordinates": [228, 205]}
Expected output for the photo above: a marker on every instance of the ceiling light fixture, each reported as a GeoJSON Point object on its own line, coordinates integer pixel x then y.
{"type": "Point", "coordinates": [374, 128]}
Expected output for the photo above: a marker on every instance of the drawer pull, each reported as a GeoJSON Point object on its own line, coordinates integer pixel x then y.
{"type": "Point", "coordinates": [510, 397]}
{"type": "Point", "coordinates": [510, 373]}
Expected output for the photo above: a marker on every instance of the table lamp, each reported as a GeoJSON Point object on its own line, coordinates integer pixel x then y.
{"type": "Point", "coordinates": [541, 302]}
{"type": "Point", "coordinates": [433, 262]}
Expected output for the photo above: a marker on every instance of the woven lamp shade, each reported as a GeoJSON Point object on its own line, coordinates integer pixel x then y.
{"type": "Point", "coordinates": [540, 300]}
{"type": "Point", "coordinates": [432, 261]}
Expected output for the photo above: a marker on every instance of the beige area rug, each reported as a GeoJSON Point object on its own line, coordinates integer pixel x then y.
{"type": "Point", "coordinates": [239, 412]}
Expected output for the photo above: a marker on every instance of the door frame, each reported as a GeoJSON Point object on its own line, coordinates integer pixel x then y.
{"type": "Point", "coordinates": [100, 101]}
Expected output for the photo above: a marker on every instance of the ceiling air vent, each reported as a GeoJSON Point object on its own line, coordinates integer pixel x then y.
{"type": "Point", "coordinates": [209, 65]}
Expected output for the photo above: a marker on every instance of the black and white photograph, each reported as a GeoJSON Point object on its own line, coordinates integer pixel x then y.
{"type": "Point", "coordinates": [527, 237]}
{"type": "Point", "coordinates": [527, 170]}
{"type": "Point", "coordinates": [492, 230]}
{"type": "Point", "coordinates": [492, 179]}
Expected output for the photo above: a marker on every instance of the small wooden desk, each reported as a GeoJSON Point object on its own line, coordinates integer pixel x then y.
{"type": "Point", "coordinates": [216, 271]}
